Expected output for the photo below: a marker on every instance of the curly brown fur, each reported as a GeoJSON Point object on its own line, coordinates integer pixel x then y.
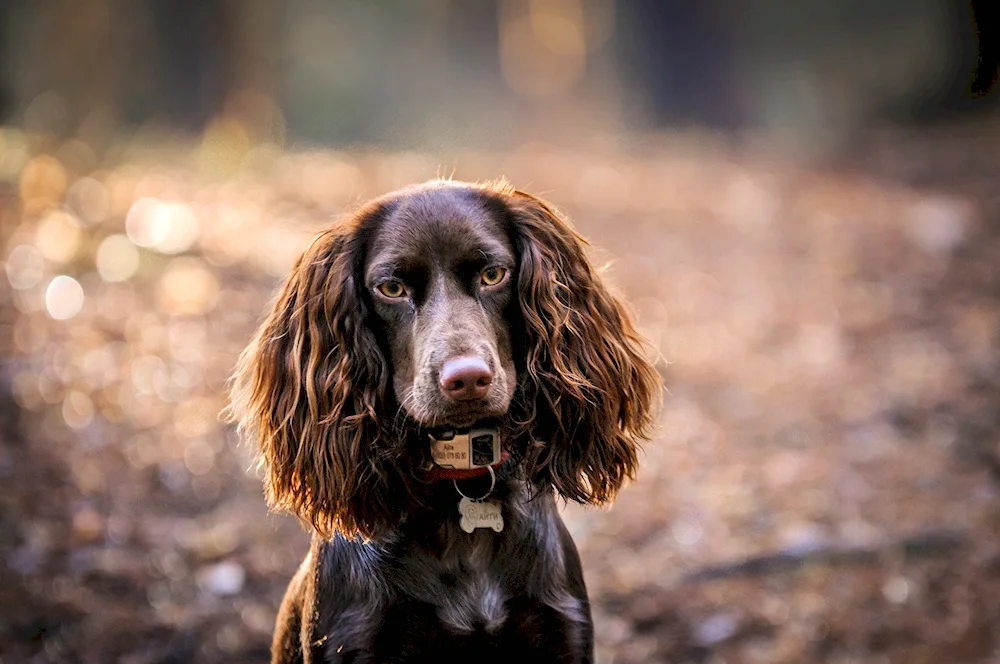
{"type": "Point", "coordinates": [310, 389]}
{"type": "Point", "coordinates": [588, 387]}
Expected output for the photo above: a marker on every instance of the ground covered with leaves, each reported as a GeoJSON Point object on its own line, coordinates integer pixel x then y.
{"type": "Point", "coordinates": [824, 486]}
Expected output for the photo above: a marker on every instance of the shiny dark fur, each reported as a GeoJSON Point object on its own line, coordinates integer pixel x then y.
{"type": "Point", "coordinates": [443, 304]}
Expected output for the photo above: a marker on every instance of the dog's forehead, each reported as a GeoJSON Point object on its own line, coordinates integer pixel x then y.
{"type": "Point", "coordinates": [444, 224]}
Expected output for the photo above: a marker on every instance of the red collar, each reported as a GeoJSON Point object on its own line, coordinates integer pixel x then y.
{"type": "Point", "coordinates": [437, 472]}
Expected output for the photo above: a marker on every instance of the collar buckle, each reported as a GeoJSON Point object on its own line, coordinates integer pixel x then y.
{"type": "Point", "coordinates": [460, 454]}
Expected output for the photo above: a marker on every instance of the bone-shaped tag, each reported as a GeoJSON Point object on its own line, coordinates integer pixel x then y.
{"type": "Point", "coordinates": [479, 514]}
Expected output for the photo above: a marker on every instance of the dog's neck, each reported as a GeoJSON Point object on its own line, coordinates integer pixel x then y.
{"type": "Point", "coordinates": [439, 514]}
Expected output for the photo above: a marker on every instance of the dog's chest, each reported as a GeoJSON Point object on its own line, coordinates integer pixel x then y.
{"type": "Point", "coordinates": [466, 588]}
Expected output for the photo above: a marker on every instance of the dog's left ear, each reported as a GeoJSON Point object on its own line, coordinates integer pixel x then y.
{"type": "Point", "coordinates": [588, 387]}
{"type": "Point", "coordinates": [308, 392]}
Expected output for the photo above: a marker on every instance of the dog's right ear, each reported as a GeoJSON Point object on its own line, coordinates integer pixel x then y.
{"type": "Point", "coordinates": [588, 384]}
{"type": "Point", "coordinates": [308, 388]}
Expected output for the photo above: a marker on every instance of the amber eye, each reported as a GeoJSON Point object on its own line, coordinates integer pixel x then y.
{"type": "Point", "coordinates": [392, 289]}
{"type": "Point", "coordinates": [491, 276]}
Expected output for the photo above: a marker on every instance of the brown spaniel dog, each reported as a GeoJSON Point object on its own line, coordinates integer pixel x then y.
{"type": "Point", "coordinates": [436, 370]}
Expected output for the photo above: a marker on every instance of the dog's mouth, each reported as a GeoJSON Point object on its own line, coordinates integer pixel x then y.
{"type": "Point", "coordinates": [461, 416]}
{"type": "Point", "coordinates": [447, 430]}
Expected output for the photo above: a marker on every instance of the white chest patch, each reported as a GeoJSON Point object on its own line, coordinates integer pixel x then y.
{"type": "Point", "coordinates": [477, 599]}
{"type": "Point", "coordinates": [478, 602]}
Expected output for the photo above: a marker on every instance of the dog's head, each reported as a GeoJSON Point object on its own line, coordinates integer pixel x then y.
{"type": "Point", "coordinates": [439, 270]}
{"type": "Point", "coordinates": [442, 304]}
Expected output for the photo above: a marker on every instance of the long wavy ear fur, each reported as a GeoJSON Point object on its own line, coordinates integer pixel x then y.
{"type": "Point", "coordinates": [309, 388]}
{"type": "Point", "coordinates": [587, 387]}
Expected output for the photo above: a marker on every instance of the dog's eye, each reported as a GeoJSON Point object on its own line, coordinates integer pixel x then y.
{"type": "Point", "coordinates": [492, 276]}
{"type": "Point", "coordinates": [392, 289]}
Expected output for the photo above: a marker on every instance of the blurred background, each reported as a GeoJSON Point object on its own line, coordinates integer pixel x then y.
{"type": "Point", "coordinates": [799, 198]}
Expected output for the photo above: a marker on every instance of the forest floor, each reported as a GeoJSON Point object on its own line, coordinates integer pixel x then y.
{"type": "Point", "coordinates": [824, 485]}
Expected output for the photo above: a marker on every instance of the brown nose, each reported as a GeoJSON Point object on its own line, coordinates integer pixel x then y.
{"type": "Point", "coordinates": [466, 378]}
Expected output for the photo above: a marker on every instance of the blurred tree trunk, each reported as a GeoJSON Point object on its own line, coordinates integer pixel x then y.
{"type": "Point", "coordinates": [5, 94]}
{"type": "Point", "coordinates": [683, 56]}
{"type": "Point", "coordinates": [68, 66]}
{"type": "Point", "coordinates": [728, 64]}
{"type": "Point", "coordinates": [192, 60]}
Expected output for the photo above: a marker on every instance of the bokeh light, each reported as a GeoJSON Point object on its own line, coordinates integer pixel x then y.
{"type": "Point", "coordinates": [63, 297]}
{"type": "Point", "coordinates": [169, 228]}
{"type": "Point", "coordinates": [147, 222]}
{"type": "Point", "coordinates": [43, 181]}
{"type": "Point", "coordinates": [187, 287]}
{"type": "Point", "coordinates": [58, 236]}
{"type": "Point", "coordinates": [117, 258]}
{"type": "Point", "coordinates": [90, 199]}
{"type": "Point", "coordinates": [25, 266]}
{"type": "Point", "coordinates": [77, 410]}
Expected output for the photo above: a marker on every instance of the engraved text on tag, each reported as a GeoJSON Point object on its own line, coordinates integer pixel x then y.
{"type": "Point", "coordinates": [479, 514]}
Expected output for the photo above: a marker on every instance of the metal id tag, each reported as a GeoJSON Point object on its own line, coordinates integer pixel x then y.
{"type": "Point", "coordinates": [479, 514]}
{"type": "Point", "coordinates": [465, 448]}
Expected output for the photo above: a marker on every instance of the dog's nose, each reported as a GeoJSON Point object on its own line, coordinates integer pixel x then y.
{"type": "Point", "coordinates": [466, 378]}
